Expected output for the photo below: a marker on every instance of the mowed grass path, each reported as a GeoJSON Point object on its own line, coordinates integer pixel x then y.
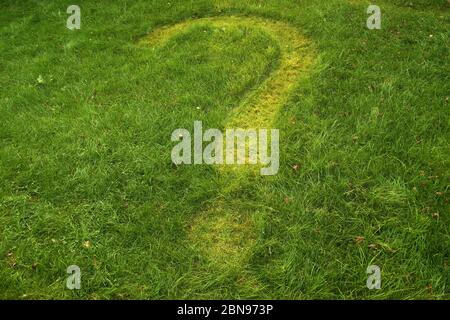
{"type": "Point", "coordinates": [224, 233]}
{"type": "Point", "coordinates": [86, 176]}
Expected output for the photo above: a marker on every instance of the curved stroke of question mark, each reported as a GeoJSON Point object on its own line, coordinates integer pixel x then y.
{"type": "Point", "coordinates": [257, 111]}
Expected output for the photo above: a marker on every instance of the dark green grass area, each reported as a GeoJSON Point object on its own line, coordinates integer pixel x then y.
{"type": "Point", "coordinates": [86, 176]}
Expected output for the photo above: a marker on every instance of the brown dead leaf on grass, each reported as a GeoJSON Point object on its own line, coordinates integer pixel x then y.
{"type": "Point", "coordinates": [359, 239]}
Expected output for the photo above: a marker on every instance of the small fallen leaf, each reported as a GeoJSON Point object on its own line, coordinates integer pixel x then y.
{"type": "Point", "coordinates": [12, 260]}
{"type": "Point", "coordinates": [295, 167]}
{"type": "Point", "coordinates": [359, 239]}
{"type": "Point", "coordinates": [435, 215]}
{"type": "Point", "coordinates": [87, 244]}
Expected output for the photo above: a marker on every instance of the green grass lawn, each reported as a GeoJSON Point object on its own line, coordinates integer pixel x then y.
{"type": "Point", "coordinates": [86, 176]}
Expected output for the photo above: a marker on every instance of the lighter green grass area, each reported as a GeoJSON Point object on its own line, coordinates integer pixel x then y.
{"type": "Point", "coordinates": [259, 110]}
{"type": "Point", "coordinates": [86, 176]}
{"type": "Point", "coordinates": [223, 232]}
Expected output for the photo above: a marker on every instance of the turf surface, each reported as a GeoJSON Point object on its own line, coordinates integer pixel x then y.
{"type": "Point", "coordinates": [86, 176]}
